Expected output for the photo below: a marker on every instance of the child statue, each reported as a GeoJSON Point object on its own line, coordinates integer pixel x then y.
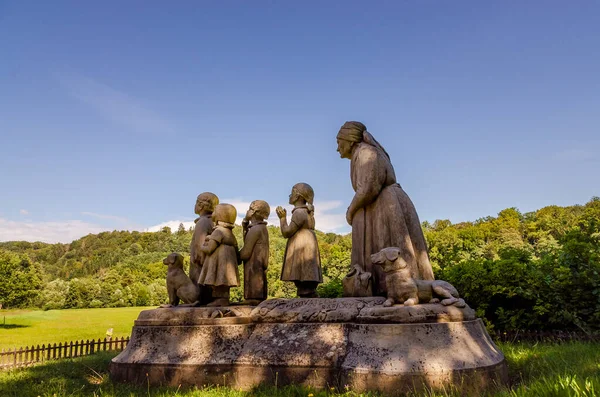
{"type": "Point", "coordinates": [205, 205]}
{"type": "Point", "coordinates": [302, 261]}
{"type": "Point", "coordinates": [255, 253]}
{"type": "Point", "coordinates": [219, 270]}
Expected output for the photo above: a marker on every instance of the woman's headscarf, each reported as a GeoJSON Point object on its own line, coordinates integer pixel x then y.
{"type": "Point", "coordinates": [355, 131]}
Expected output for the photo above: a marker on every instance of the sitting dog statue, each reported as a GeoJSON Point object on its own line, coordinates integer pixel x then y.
{"type": "Point", "coordinates": [179, 285]}
{"type": "Point", "coordinates": [403, 288]}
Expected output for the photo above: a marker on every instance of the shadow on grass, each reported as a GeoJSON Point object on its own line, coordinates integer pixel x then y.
{"type": "Point", "coordinates": [89, 376]}
{"type": "Point", "coordinates": [535, 370]}
{"type": "Point", "coordinates": [13, 326]}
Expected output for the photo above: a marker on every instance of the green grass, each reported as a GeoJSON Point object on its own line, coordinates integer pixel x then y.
{"type": "Point", "coordinates": [20, 328]}
{"type": "Point", "coordinates": [570, 369]}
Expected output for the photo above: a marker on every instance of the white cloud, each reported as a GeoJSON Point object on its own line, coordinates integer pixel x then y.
{"type": "Point", "coordinates": [24, 212]}
{"type": "Point", "coordinates": [329, 217]}
{"type": "Point", "coordinates": [47, 232]}
{"type": "Point", "coordinates": [113, 104]}
{"type": "Point", "coordinates": [325, 218]}
{"type": "Point", "coordinates": [174, 225]}
{"type": "Point", "coordinates": [241, 206]}
{"type": "Point", "coordinates": [325, 221]}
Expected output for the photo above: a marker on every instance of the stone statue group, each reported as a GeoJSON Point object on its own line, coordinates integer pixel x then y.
{"type": "Point", "coordinates": [389, 254]}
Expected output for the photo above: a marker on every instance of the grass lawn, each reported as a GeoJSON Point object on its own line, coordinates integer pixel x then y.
{"type": "Point", "coordinates": [33, 327]}
{"type": "Point", "coordinates": [570, 369]}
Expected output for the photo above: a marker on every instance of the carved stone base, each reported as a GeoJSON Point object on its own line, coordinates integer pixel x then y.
{"type": "Point", "coordinates": [322, 343]}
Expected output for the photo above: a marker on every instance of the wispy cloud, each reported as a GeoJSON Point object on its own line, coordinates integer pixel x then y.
{"type": "Point", "coordinates": [114, 105]}
{"type": "Point", "coordinates": [48, 232]}
{"type": "Point", "coordinates": [24, 212]}
{"type": "Point", "coordinates": [328, 216]}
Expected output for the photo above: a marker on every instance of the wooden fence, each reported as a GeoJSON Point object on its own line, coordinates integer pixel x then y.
{"type": "Point", "coordinates": [23, 357]}
{"type": "Point", "coordinates": [545, 336]}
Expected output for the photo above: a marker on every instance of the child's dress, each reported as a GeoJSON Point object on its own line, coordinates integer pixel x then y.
{"type": "Point", "coordinates": [221, 267]}
{"type": "Point", "coordinates": [302, 261]}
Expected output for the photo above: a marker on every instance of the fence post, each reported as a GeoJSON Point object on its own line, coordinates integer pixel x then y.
{"type": "Point", "coordinates": [71, 349]}
{"type": "Point", "coordinates": [15, 357]}
{"type": "Point", "coordinates": [104, 346]}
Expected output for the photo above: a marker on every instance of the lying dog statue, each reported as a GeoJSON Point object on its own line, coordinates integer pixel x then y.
{"type": "Point", "coordinates": [179, 285]}
{"type": "Point", "coordinates": [402, 288]}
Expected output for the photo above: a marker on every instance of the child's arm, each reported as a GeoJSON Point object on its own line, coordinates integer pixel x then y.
{"type": "Point", "coordinates": [287, 231]}
{"type": "Point", "coordinates": [249, 242]}
{"type": "Point", "coordinates": [211, 243]}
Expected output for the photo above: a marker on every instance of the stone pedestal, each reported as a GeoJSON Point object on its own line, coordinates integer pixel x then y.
{"type": "Point", "coordinates": [352, 342]}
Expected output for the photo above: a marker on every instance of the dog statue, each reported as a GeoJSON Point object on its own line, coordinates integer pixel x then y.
{"type": "Point", "coordinates": [179, 285]}
{"type": "Point", "coordinates": [403, 288]}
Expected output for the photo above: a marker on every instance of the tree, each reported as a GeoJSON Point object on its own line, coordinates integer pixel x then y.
{"type": "Point", "coordinates": [20, 280]}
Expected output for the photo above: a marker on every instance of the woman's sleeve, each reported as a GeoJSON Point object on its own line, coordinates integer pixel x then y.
{"type": "Point", "coordinates": [370, 177]}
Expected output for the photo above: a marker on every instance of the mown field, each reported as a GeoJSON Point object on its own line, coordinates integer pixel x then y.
{"type": "Point", "coordinates": [570, 369]}
{"type": "Point", "coordinates": [20, 328]}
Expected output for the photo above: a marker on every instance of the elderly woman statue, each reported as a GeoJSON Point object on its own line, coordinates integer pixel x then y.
{"type": "Point", "coordinates": [381, 213]}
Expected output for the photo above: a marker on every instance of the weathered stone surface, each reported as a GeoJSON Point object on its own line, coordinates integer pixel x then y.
{"type": "Point", "coordinates": [391, 358]}
{"type": "Point", "coordinates": [362, 310]}
{"type": "Point", "coordinates": [182, 345]}
{"type": "Point", "coordinates": [317, 310]}
{"type": "Point", "coordinates": [387, 357]}
{"type": "Point", "coordinates": [195, 316]}
{"type": "Point", "coordinates": [428, 313]}
{"type": "Point", "coordinates": [297, 345]}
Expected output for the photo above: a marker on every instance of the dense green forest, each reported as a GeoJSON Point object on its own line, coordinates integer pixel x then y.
{"type": "Point", "coordinates": [538, 270]}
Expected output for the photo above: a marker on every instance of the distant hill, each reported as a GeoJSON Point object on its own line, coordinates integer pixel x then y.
{"type": "Point", "coordinates": [518, 270]}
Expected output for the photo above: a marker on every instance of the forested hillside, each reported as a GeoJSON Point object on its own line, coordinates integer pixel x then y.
{"type": "Point", "coordinates": [519, 271]}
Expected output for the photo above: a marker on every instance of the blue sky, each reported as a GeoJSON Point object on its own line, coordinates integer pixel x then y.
{"type": "Point", "coordinates": [115, 115]}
